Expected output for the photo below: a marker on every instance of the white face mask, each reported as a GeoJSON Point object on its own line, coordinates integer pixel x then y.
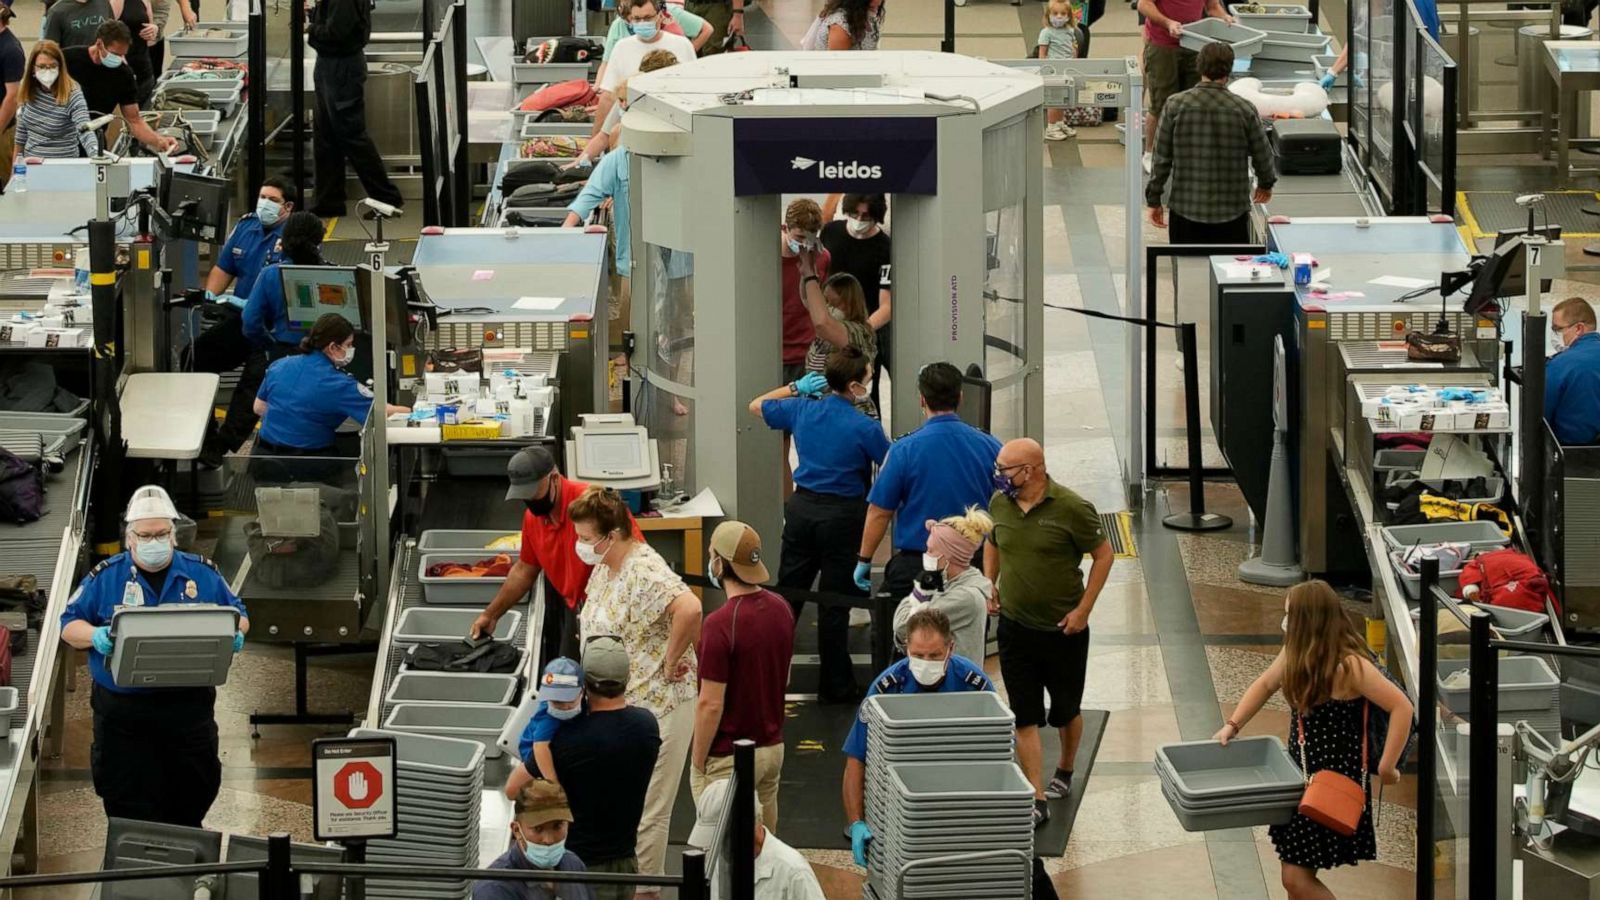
{"type": "Point", "coordinates": [928, 672]}
{"type": "Point", "coordinates": [1285, 624]}
{"type": "Point", "coordinates": [1059, 21]}
{"type": "Point", "coordinates": [587, 553]}
{"type": "Point", "coordinates": [858, 227]}
{"type": "Point", "coordinates": [46, 77]}
{"type": "Point", "coordinates": [931, 563]}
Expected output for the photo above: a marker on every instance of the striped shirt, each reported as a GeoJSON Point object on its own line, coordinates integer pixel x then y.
{"type": "Point", "coordinates": [49, 130]}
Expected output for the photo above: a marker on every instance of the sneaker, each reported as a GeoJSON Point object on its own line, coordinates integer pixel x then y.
{"type": "Point", "coordinates": [1056, 132]}
{"type": "Point", "coordinates": [860, 618]}
{"type": "Point", "coordinates": [1041, 813]}
{"type": "Point", "coordinates": [1058, 787]}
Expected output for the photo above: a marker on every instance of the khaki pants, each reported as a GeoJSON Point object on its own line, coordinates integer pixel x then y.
{"type": "Point", "coordinates": [769, 770]}
{"type": "Point", "coordinates": [677, 732]}
{"type": "Point", "coordinates": [614, 867]}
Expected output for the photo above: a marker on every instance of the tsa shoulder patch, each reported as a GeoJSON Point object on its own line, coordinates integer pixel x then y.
{"type": "Point", "coordinates": [977, 681]}
{"type": "Point", "coordinates": [888, 684]}
{"type": "Point", "coordinates": [365, 391]}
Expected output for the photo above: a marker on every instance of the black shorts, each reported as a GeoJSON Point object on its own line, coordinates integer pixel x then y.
{"type": "Point", "coordinates": [1032, 662]}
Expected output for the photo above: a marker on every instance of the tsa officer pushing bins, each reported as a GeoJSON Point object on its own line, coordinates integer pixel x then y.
{"type": "Point", "coordinates": [154, 755]}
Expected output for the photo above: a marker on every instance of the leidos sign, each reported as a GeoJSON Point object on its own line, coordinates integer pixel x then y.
{"type": "Point", "coordinates": [796, 156]}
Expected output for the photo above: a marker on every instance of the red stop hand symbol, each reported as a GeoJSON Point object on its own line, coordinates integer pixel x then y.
{"type": "Point", "coordinates": [358, 785]}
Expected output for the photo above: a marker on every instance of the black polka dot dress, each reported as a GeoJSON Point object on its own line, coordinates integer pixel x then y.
{"type": "Point", "coordinates": [1333, 741]}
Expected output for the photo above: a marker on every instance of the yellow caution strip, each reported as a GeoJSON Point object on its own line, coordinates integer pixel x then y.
{"type": "Point", "coordinates": [333, 222]}
{"type": "Point", "coordinates": [102, 279]}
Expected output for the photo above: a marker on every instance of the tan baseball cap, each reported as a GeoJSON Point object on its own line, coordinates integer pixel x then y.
{"type": "Point", "coordinates": [541, 802]}
{"type": "Point", "coordinates": [739, 544]}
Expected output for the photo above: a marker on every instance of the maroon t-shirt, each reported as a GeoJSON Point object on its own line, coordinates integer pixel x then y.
{"type": "Point", "coordinates": [747, 645]}
{"type": "Point", "coordinates": [1186, 12]}
{"type": "Point", "coordinates": [798, 331]}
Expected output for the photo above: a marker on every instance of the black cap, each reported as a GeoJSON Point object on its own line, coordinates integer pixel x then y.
{"type": "Point", "coordinates": [527, 468]}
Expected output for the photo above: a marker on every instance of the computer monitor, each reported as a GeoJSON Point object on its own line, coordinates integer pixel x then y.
{"type": "Point", "coordinates": [132, 844]}
{"type": "Point", "coordinates": [1488, 286]}
{"type": "Point", "coordinates": [1516, 283]}
{"type": "Point", "coordinates": [196, 206]}
{"type": "Point", "coordinates": [247, 848]}
{"type": "Point", "coordinates": [311, 292]}
{"type": "Point", "coordinates": [612, 455]}
{"type": "Point", "coordinates": [976, 394]}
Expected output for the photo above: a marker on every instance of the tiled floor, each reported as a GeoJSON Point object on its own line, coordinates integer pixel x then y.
{"type": "Point", "coordinates": [1176, 637]}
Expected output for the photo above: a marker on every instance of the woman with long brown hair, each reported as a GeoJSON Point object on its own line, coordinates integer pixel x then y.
{"type": "Point", "coordinates": [1330, 683]}
{"type": "Point", "coordinates": [838, 312]}
{"type": "Point", "coordinates": [51, 110]}
{"type": "Point", "coordinates": [846, 25]}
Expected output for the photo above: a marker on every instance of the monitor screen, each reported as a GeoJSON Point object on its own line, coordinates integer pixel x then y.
{"type": "Point", "coordinates": [613, 455]}
{"type": "Point", "coordinates": [196, 206]}
{"type": "Point", "coordinates": [311, 292]}
{"type": "Point", "coordinates": [1516, 281]}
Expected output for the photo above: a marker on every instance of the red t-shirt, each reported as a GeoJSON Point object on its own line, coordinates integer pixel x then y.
{"type": "Point", "coordinates": [753, 661]}
{"type": "Point", "coordinates": [549, 546]}
{"type": "Point", "coordinates": [798, 332]}
{"type": "Point", "coordinates": [1185, 11]}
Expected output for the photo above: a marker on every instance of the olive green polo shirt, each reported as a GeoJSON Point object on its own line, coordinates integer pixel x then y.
{"type": "Point", "coordinates": [1041, 551]}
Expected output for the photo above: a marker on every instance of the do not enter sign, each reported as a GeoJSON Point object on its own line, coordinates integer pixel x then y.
{"type": "Point", "coordinates": [353, 797]}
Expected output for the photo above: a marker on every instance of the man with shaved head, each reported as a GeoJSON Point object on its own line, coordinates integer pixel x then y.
{"type": "Point", "coordinates": [1042, 531]}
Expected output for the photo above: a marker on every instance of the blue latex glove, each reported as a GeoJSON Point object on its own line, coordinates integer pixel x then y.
{"type": "Point", "coordinates": [859, 835]}
{"type": "Point", "coordinates": [232, 299]}
{"type": "Point", "coordinates": [238, 641]}
{"type": "Point", "coordinates": [864, 576]}
{"type": "Point", "coordinates": [1281, 260]}
{"type": "Point", "coordinates": [211, 295]}
{"type": "Point", "coordinates": [102, 640]}
{"type": "Point", "coordinates": [811, 384]}
{"type": "Point", "coordinates": [1328, 80]}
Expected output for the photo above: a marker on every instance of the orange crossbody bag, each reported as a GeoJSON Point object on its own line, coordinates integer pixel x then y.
{"type": "Point", "coordinates": [1333, 800]}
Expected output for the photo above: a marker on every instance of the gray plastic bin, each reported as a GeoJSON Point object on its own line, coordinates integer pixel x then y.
{"type": "Point", "coordinates": [918, 711]}
{"type": "Point", "coordinates": [1246, 41]}
{"type": "Point", "coordinates": [1279, 17]}
{"type": "Point", "coordinates": [1411, 582]}
{"type": "Point", "coordinates": [420, 625]}
{"type": "Point", "coordinates": [1206, 769]}
{"type": "Point", "coordinates": [445, 756]}
{"type": "Point", "coordinates": [452, 688]}
{"type": "Point", "coordinates": [1285, 47]}
{"type": "Point", "coordinates": [8, 709]}
{"type": "Point", "coordinates": [1511, 623]}
{"type": "Point", "coordinates": [1527, 684]}
{"type": "Point", "coordinates": [46, 424]}
{"type": "Point", "coordinates": [468, 722]}
{"type": "Point", "coordinates": [475, 592]}
{"type": "Point", "coordinates": [175, 645]}
{"type": "Point", "coordinates": [436, 540]}
{"type": "Point", "coordinates": [233, 46]}
{"type": "Point", "coordinates": [1243, 815]}
{"type": "Point", "coordinates": [1480, 535]}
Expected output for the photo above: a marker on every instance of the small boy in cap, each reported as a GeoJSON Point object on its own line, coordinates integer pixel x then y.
{"type": "Point", "coordinates": [560, 698]}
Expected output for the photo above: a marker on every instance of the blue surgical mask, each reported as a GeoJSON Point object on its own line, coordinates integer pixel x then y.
{"type": "Point", "coordinates": [794, 246]}
{"type": "Point", "coordinates": [563, 714]}
{"type": "Point", "coordinates": [644, 31]}
{"type": "Point", "coordinates": [269, 211]}
{"type": "Point", "coordinates": [153, 555]}
{"type": "Point", "coordinates": [111, 60]}
{"type": "Point", "coordinates": [545, 856]}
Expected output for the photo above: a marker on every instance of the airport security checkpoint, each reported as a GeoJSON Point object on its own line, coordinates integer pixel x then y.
{"type": "Point", "coordinates": [1141, 440]}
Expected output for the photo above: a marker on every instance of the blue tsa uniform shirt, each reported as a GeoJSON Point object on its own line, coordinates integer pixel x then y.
{"type": "Point", "coordinates": [960, 676]}
{"type": "Point", "coordinates": [308, 398]}
{"type": "Point", "coordinates": [936, 471]}
{"type": "Point", "coordinates": [251, 247]}
{"type": "Point", "coordinates": [266, 315]}
{"type": "Point", "coordinates": [1572, 392]}
{"type": "Point", "coordinates": [118, 582]}
{"type": "Point", "coordinates": [838, 446]}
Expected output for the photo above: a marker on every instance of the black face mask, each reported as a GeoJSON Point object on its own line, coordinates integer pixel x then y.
{"type": "Point", "coordinates": [541, 506]}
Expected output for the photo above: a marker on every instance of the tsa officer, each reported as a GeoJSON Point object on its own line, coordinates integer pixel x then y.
{"type": "Point", "coordinates": [931, 666]}
{"type": "Point", "coordinates": [154, 755]}
{"type": "Point", "coordinates": [265, 320]}
{"type": "Point", "coordinates": [305, 398]}
{"type": "Point", "coordinates": [252, 246]}
{"type": "Point", "coordinates": [339, 30]}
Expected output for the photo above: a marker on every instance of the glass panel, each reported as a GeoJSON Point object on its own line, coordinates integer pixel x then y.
{"type": "Point", "coordinates": [1435, 112]}
{"type": "Point", "coordinates": [1360, 79]}
{"type": "Point", "coordinates": [1004, 290]}
{"type": "Point", "coordinates": [268, 501]}
{"type": "Point", "coordinates": [1008, 411]}
{"type": "Point", "coordinates": [1183, 294]}
{"type": "Point", "coordinates": [1381, 50]}
{"type": "Point", "coordinates": [670, 420]}
{"type": "Point", "coordinates": [671, 297]}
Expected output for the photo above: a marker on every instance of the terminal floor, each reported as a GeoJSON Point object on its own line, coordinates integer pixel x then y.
{"type": "Point", "coordinates": [1176, 638]}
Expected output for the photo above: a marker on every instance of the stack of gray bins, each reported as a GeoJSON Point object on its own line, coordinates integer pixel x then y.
{"type": "Point", "coordinates": [1252, 781]}
{"type": "Point", "coordinates": [439, 789]}
{"type": "Point", "coordinates": [465, 705]}
{"type": "Point", "coordinates": [950, 812]}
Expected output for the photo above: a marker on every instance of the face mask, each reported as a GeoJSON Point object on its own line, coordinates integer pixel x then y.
{"type": "Point", "coordinates": [931, 563]}
{"type": "Point", "coordinates": [345, 357]}
{"type": "Point", "coordinates": [541, 506]}
{"type": "Point", "coordinates": [1005, 484]}
{"type": "Point", "coordinates": [47, 77]}
{"type": "Point", "coordinates": [928, 672]}
{"type": "Point", "coordinates": [1285, 625]}
{"type": "Point", "coordinates": [644, 31]}
{"type": "Point", "coordinates": [1058, 21]}
{"type": "Point", "coordinates": [837, 313]}
{"type": "Point", "coordinates": [859, 392]}
{"type": "Point", "coordinates": [268, 211]}
{"type": "Point", "coordinates": [588, 553]}
{"type": "Point", "coordinates": [563, 714]}
{"type": "Point", "coordinates": [713, 576]}
{"type": "Point", "coordinates": [111, 60]}
{"type": "Point", "coordinates": [794, 246]}
{"type": "Point", "coordinates": [858, 227]}
{"type": "Point", "coordinates": [153, 555]}
{"type": "Point", "coordinates": [545, 856]}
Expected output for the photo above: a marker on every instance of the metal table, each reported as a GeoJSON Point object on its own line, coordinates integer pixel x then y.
{"type": "Point", "coordinates": [164, 414]}
{"type": "Point", "coordinates": [1575, 68]}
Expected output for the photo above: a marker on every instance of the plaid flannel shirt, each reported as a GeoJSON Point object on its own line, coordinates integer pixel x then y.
{"type": "Point", "coordinates": [1206, 134]}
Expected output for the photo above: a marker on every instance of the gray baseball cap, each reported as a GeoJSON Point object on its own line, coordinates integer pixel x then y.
{"type": "Point", "coordinates": [605, 659]}
{"type": "Point", "coordinates": [527, 468]}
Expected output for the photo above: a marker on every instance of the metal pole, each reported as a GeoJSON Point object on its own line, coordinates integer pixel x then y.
{"type": "Point", "coordinates": [1482, 812]}
{"type": "Point", "coordinates": [1427, 724]}
{"type": "Point", "coordinates": [742, 845]}
{"type": "Point", "coordinates": [1531, 490]}
{"type": "Point", "coordinates": [948, 45]}
{"type": "Point", "coordinates": [695, 886]}
{"type": "Point", "coordinates": [297, 96]}
{"type": "Point", "coordinates": [1133, 471]}
{"type": "Point", "coordinates": [256, 152]}
{"type": "Point", "coordinates": [1196, 519]}
{"type": "Point", "coordinates": [378, 419]}
{"type": "Point", "coordinates": [356, 852]}
{"type": "Point", "coordinates": [277, 882]}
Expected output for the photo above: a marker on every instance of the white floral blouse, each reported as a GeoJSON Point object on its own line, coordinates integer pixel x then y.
{"type": "Point", "coordinates": [632, 604]}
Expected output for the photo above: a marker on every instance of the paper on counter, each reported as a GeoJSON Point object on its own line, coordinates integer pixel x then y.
{"type": "Point", "coordinates": [704, 505]}
{"type": "Point", "coordinates": [539, 304]}
{"type": "Point", "coordinates": [1400, 281]}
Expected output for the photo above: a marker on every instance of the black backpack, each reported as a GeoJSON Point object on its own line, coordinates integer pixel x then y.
{"type": "Point", "coordinates": [294, 562]}
{"type": "Point", "coordinates": [484, 656]}
{"type": "Point", "coordinates": [21, 490]}
{"type": "Point", "coordinates": [565, 50]}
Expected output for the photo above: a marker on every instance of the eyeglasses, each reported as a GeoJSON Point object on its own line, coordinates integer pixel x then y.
{"type": "Point", "coordinates": [1557, 329]}
{"type": "Point", "coordinates": [650, 18]}
{"type": "Point", "coordinates": [1004, 469]}
{"type": "Point", "coordinates": [146, 537]}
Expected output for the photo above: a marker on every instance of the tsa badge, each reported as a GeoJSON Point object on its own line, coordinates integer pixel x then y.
{"type": "Point", "coordinates": [190, 591]}
{"type": "Point", "coordinates": [132, 595]}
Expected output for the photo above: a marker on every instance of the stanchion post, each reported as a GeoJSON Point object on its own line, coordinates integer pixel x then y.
{"type": "Point", "coordinates": [948, 45]}
{"type": "Point", "coordinates": [1196, 519]}
{"type": "Point", "coordinates": [695, 886]}
{"type": "Point", "coordinates": [742, 844]}
{"type": "Point", "coordinates": [297, 96]}
{"type": "Point", "coordinates": [277, 883]}
{"type": "Point", "coordinates": [356, 852]}
{"type": "Point", "coordinates": [882, 631]}
{"type": "Point", "coordinates": [1427, 724]}
{"type": "Point", "coordinates": [1482, 813]}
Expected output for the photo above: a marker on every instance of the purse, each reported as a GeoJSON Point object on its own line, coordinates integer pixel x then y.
{"type": "Point", "coordinates": [1434, 347]}
{"type": "Point", "coordinates": [1333, 800]}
